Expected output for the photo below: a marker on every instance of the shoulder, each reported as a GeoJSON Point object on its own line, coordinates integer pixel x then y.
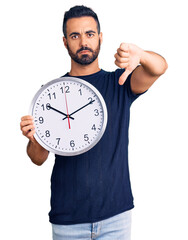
{"type": "Point", "coordinates": [113, 75]}
{"type": "Point", "coordinates": [115, 72]}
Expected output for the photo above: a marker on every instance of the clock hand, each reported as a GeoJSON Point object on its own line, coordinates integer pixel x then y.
{"type": "Point", "coordinates": [79, 109]}
{"type": "Point", "coordinates": [49, 106]}
{"type": "Point", "coordinates": [67, 109]}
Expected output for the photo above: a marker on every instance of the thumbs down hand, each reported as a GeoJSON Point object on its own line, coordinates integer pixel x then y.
{"type": "Point", "coordinates": [128, 56]}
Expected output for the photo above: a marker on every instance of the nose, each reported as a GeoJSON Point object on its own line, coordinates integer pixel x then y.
{"type": "Point", "coordinates": [83, 41]}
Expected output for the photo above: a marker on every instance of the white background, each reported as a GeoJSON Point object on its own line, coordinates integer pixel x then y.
{"type": "Point", "coordinates": [32, 53]}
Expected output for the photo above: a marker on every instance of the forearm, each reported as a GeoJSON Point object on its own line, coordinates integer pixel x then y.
{"type": "Point", "coordinates": [37, 153]}
{"type": "Point", "coordinates": [153, 63]}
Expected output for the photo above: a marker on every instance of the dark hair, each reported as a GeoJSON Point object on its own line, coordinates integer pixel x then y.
{"type": "Point", "coordinates": [79, 11]}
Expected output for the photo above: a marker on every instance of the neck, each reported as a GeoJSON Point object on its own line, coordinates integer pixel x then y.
{"type": "Point", "coordinates": [81, 70]}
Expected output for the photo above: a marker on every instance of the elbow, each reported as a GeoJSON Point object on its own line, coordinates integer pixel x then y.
{"type": "Point", "coordinates": [38, 162]}
{"type": "Point", "coordinates": [162, 69]}
{"type": "Point", "coordinates": [165, 67]}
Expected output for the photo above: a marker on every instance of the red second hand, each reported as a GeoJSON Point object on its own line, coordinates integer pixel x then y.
{"type": "Point", "coordinates": [67, 109]}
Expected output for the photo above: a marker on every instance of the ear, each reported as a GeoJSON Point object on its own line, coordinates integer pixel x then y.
{"type": "Point", "coordinates": [101, 37]}
{"type": "Point", "coordinates": [65, 42]}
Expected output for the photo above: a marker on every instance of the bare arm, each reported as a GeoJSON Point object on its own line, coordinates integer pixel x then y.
{"type": "Point", "coordinates": [35, 151]}
{"type": "Point", "coordinates": [37, 154]}
{"type": "Point", "coordinates": [152, 67]}
{"type": "Point", "coordinates": [129, 56]}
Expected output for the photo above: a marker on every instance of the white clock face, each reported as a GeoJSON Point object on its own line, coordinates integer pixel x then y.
{"type": "Point", "coordinates": [70, 116]}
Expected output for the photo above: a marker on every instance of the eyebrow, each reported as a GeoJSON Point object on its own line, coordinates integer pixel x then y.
{"type": "Point", "coordinates": [90, 31]}
{"type": "Point", "coordinates": [77, 33]}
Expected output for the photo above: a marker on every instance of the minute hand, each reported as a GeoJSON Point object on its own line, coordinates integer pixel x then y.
{"type": "Point", "coordinates": [79, 109]}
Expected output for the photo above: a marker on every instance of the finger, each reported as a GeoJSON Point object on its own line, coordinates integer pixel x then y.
{"type": "Point", "coordinates": [27, 117]}
{"type": "Point", "coordinates": [27, 129]}
{"type": "Point", "coordinates": [122, 53]}
{"type": "Point", "coordinates": [121, 59]}
{"type": "Point", "coordinates": [30, 134]}
{"type": "Point", "coordinates": [121, 65]}
{"type": "Point", "coordinates": [26, 123]}
{"type": "Point", "coordinates": [124, 47]}
{"type": "Point", "coordinates": [123, 77]}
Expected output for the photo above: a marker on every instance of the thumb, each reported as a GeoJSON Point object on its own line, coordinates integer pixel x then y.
{"type": "Point", "coordinates": [123, 77]}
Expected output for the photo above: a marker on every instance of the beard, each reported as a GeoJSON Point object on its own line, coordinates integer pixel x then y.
{"type": "Point", "coordinates": [84, 59]}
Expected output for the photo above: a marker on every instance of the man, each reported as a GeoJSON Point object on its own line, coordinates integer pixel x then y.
{"type": "Point", "coordinates": [91, 193]}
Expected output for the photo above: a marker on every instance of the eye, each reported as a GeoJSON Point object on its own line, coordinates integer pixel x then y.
{"type": "Point", "coordinates": [74, 37]}
{"type": "Point", "coordinates": [90, 35]}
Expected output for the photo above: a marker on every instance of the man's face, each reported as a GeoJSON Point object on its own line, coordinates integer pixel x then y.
{"type": "Point", "coordinates": [83, 41]}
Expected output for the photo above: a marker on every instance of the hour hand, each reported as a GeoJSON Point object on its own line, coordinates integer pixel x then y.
{"type": "Point", "coordinates": [79, 109]}
{"type": "Point", "coordinates": [60, 112]}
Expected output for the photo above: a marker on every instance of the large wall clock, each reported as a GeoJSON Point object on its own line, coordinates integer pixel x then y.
{"type": "Point", "coordinates": [70, 116]}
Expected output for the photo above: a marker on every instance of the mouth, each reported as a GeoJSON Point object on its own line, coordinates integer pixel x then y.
{"type": "Point", "coordinates": [84, 51]}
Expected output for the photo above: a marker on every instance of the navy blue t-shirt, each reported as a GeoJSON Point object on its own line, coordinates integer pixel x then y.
{"type": "Point", "coordinates": [95, 185]}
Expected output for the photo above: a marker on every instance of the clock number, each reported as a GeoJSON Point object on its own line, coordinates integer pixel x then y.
{"type": "Point", "coordinates": [43, 107]}
{"type": "Point", "coordinates": [58, 140]}
{"type": "Point", "coordinates": [41, 120]}
{"type": "Point", "coordinates": [66, 89]}
{"type": "Point", "coordinates": [86, 138]}
{"type": "Point", "coordinates": [93, 127]}
{"type": "Point", "coordinates": [90, 99]}
{"type": "Point", "coordinates": [47, 133]}
{"type": "Point", "coordinates": [96, 112]}
{"type": "Point", "coordinates": [72, 144]}
{"type": "Point", "coordinates": [50, 96]}
{"type": "Point", "coordinates": [80, 90]}
{"type": "Point", "coordinates": [47, 106]}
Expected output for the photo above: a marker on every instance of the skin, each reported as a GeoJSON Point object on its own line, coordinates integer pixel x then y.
{"type": "Point", "coordinates": [35, 151]}
{"type": "Point", "coordinates": [82, 32]}
{"type": "Point", "coordinates": [129, 56]}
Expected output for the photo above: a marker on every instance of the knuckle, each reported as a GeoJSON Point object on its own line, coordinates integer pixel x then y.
{"type": "Point", "coordinates": [24, 133]}
{"type": "Point", "coordinates": [122, 45]}
{"type": "Point", "coordinates": [117, 56]}
{"type": "Point", "coordinates": [23, 118]}
{"type": "Point", "coordinates": [118, 64]}
{"type": "Point", "coordinates": [27, 117]}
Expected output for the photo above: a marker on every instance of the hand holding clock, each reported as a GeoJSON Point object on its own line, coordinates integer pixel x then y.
{"type": "Point", "coordinates": [27, 127]}
{"type": "Point", "coordinates": [36, 152]}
